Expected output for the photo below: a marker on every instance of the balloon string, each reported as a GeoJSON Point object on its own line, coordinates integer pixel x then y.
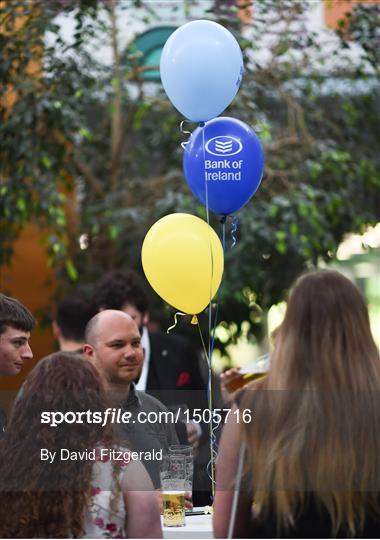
{"type": "Point", "coordinates": [223, 224]}
{"type": "Point", "coordinates": [211, 253]}
{"type": "Point", "coordinates": [185, 132]}
{"type": "Point", "coordinates": [204, 169]}
{"type": "Point", "coordinates": [202, 126]}
{"type": "Point", "coordinates": [211, 340]}
{"type": "Point", "coordinates": [203, 345]}
{"type": "Point", "coordinates": [234, 228]}
{"type": "Point", "coordinates": [214, 329]}
{"type": "Point", "coordinates": [211, 463]}
{"type": "Point", "coordinates": [213, 427]}
{"type": "Point", "coordinates": [178, 313]}
{"type": "Point", "coordinates": [213, 438]}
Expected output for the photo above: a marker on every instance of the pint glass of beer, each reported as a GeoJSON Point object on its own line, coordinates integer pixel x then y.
{"type": "Point", "coordinates": [173, 476]}
{"type": "Point", "coordinates": [257, 370]}
{"type": "Point", "coordinates": [174, 508]}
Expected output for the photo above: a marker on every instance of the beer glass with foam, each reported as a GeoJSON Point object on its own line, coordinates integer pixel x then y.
{"type": "Point", "coordinates": [173, 476]}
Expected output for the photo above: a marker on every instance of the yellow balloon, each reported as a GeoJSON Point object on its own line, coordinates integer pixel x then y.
{"type": "Point", "coordinates": [183, 259]}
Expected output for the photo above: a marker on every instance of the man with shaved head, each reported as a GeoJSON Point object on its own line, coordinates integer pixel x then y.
{"type": "Point", "coordinates": [171, 371]}
{"type": "Point", "coordinates": [113, 345]}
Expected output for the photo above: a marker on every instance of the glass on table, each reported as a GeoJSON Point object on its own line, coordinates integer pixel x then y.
{"type": "Point", "coordinates": [186, 451]}
{"type": "Point", "coordinates": [173, 475]}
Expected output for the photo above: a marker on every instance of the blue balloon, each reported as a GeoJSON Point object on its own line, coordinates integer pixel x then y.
{"type": "Point", "coordinates": [225, 156]}
{"type": "Point", "coordinates": [201, 69]}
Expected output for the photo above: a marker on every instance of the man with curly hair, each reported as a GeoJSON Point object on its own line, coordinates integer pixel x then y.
{"type": "Point", "coordinates": [16, 323]}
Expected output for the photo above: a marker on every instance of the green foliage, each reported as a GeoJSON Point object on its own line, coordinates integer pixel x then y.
{"type": "Point", "coordinates": [363, 27]}
{"type": "Point", "coordinates": [40, 114]}
{"type": "Point", "coordinates": [99, 132]}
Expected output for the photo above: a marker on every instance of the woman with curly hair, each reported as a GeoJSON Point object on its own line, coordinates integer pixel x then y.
{"type": "Point", "coordinates": [45, 495]}
{"type": "Point", "coordinates": [310, 457]}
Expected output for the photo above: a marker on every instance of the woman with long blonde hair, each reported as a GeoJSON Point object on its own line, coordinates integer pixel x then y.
{"type": "Point", "coordinates": [311, 454]}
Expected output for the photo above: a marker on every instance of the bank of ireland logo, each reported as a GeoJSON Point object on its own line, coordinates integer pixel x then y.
{"type": "Point", "coordinates": [224, 146]}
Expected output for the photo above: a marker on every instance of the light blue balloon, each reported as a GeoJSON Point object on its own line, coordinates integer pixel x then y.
{"type": "Point", "coordinates": [201, 69]}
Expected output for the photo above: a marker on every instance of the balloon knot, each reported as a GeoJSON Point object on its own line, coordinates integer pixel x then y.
{"type": "Point", "coordinates": [223, 219]}
{"type": "Point", "coordinates": [202, 124]}
{"type": "Point", "coordinates": [194, 320]}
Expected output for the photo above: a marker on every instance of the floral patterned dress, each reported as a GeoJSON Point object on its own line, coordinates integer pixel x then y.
{"type": "Point", "coordinates": [101, 521]}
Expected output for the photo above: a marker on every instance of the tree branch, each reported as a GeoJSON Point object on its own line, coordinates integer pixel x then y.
{"type": "Point", "coordinates": [117, 113]}
{"type": "Point", "coordinates": [90, 178]}
{"type": "Point", "coordinates": [134, 75]}
{"type": "Point", "coordinates": [280, 143]}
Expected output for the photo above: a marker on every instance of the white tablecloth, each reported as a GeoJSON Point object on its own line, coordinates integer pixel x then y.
{"type": "Point", "coordinates": [199, 526]}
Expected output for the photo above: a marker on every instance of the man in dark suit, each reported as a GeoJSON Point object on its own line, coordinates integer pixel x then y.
{"type": "Point", "coordinates": [170, 372]}
{"type": "Point", "coordinates": [72, 315]}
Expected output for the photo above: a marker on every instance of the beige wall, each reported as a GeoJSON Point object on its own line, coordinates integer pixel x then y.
{"type": "Point", "coordinates": [336, 9]}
